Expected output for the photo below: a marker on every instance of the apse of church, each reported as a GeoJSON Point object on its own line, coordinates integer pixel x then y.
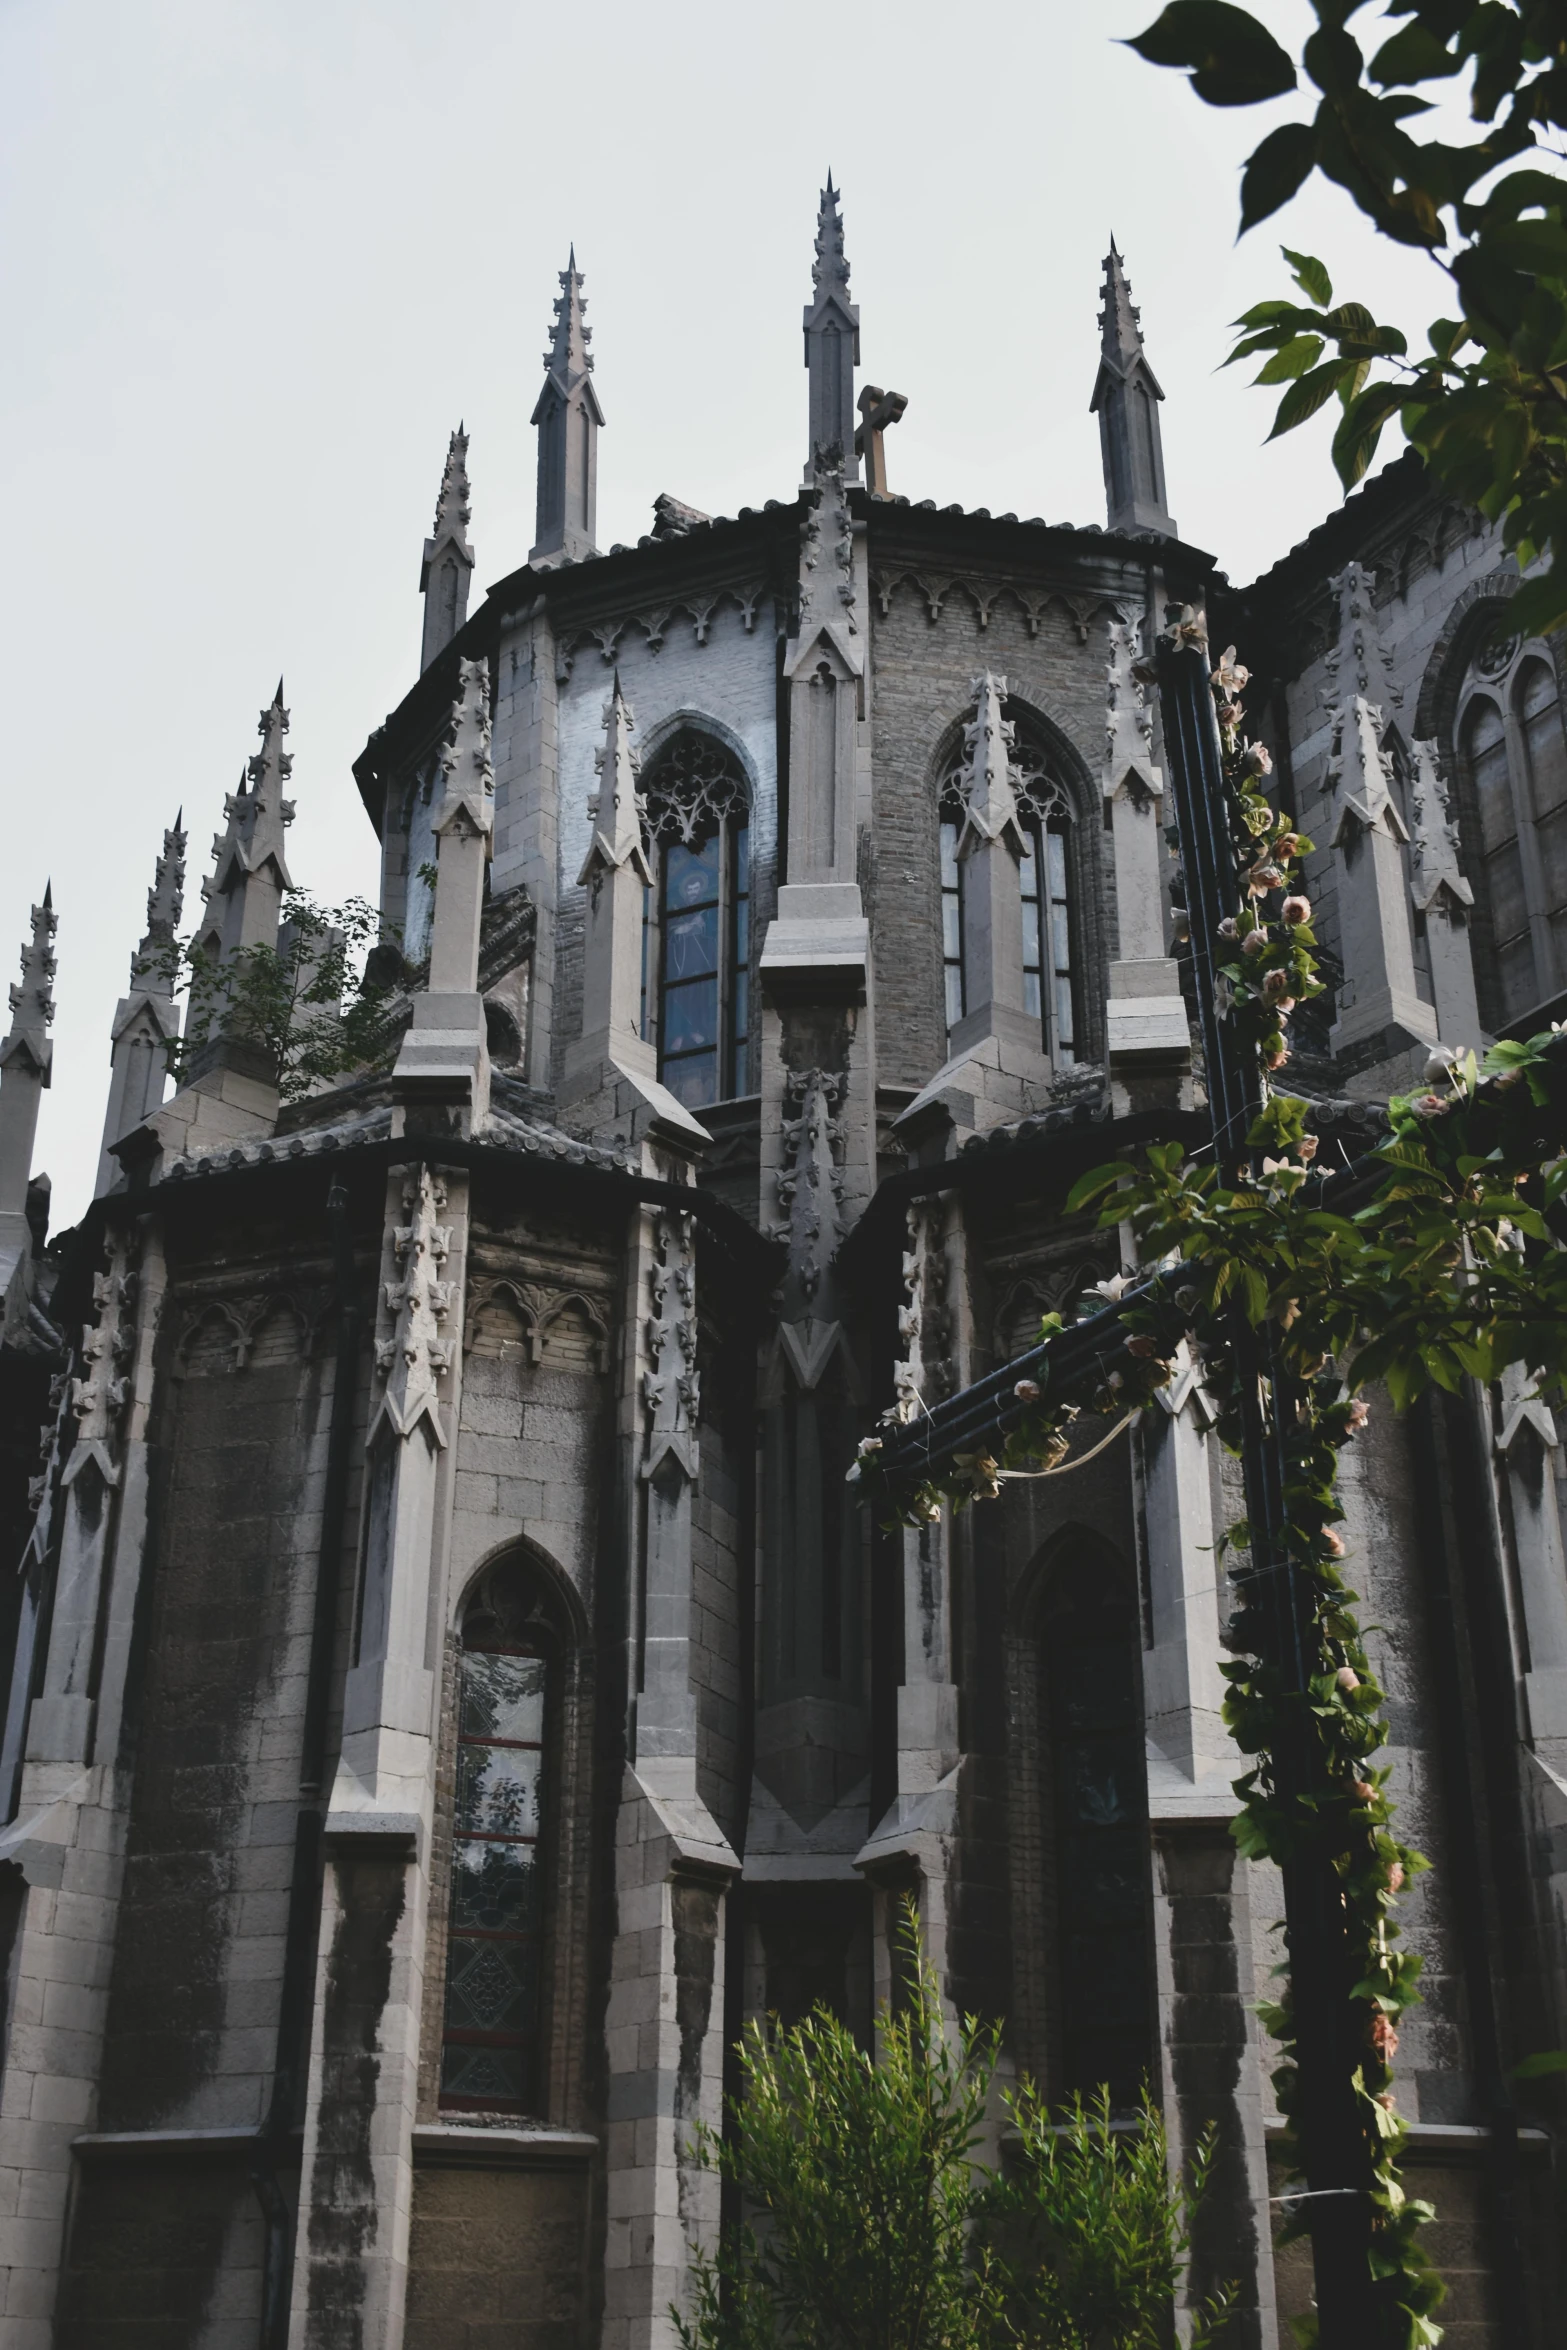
{"type": "Point", "coordinates": [451, 1681]}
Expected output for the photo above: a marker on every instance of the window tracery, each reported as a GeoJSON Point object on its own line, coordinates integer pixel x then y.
{"type": "Point", "coordinates": [696, 927]}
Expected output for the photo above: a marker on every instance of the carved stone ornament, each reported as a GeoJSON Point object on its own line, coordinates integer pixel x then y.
{"type": "Point", "coordinates": [924, 1371]}
{"type": "Point", "coordinates": [100, 1394]}
{"type": "Point", "coordinates": [696, 784]}
{"type": "Point", "coordinates": [671, 1388]}
{"type": "Point", "coordinates": [1435, 870]}
{"type": "Point", "coordinates": [411, 1352]}
{"type": "Point", "coordinates": [809, 1190]}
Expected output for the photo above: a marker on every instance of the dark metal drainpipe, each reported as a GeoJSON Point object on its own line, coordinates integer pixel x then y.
{"type": "Point", "coordinates": [293, 2029]}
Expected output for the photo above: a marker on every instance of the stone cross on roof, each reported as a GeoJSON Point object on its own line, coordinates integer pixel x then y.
{"type": "Point", "coordinates": [879, 411]}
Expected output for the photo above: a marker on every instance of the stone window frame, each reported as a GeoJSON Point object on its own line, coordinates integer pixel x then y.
{"type": "Point", "coordinates": [1037, 1996]}
{"type": "Point", "coordinates": [727, 801]}
{"type": "Point", "coordinates": [1494, 675]}
{"type": "Point", "coordinates": [1059, 774]}
{"type": "Point", "coordinates": [544, 1606]}
{"type": "Point", "coordinates": [1445, 696]}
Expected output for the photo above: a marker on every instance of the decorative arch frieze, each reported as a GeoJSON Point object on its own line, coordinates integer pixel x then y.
{"type": "Point", "coordinates": [936, 589]}
{"type": "Point", "coordinates": [655, 621]}
{"type": "Point", "coordinates": [245, 1319]}
{"type": "Point", "coordinates": [539, 1307]}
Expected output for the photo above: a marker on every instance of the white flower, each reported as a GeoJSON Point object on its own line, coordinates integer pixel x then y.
{"type": "Point", "coordinates": [1439, 1061]}
{"type": "Point", "coordinates": [1113, 1290]}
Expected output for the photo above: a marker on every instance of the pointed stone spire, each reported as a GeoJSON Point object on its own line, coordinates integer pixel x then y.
{"type": "Point", "coordinates": [146, 1019]}
{"type": "Point", "coordinates": [447, 570]}
{"type": "Point", "coordinates": [1146, 1033]}
{"type": "Point", "coordinates": [26, 1057]}
{"type": "Point", "coordinates": [244, 896]}
{"type": "Point", "coordinates": [1355, 664]}
{"type": "Point", "coordinates": [1126, 401]}
{"type": "Point", "coordinates": [1444, 897]}
{"type": "Point", "coordinates": [832, 343]}
{"type": "Point", "coordinates": [989, 799]}
{"type": "Point", "coordinates": [444, 1061]}
{"type": "Point", "coordinates": [568, 417]}
{"type": "Point", "coordinates": [618, 840]}
{"type": "Point", "coordinates": [610, 1079]}
{"type": "Point", "coordinates": [1380, 1014]}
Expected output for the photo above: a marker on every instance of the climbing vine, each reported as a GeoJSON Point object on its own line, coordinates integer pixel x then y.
{"type": "Point", "coordinates": [1438, 1261]}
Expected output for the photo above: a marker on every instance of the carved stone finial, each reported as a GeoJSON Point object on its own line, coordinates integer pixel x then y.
{"type": "Point", "coordinates": [989, 794]}
{"type": "Point", "coordinates": [468, 778]}
{"type": "Point", "coordinates": [447, 569]}
{"type": "Point", "coordinates": [832, 343]}
{"type": "Point", "coordinates": [27, 1042]}
{"type": "Point", "coordinates": [1355, 663]}
{"type": "Point", "coordinates": [617, 829]}
{"type": "Point", "coordinates": [1126, 401]}
{"type": "Point", "coordinates": [1129, 767]}
{"type": "Point", "coordinates": [250, 870]}
{"type": "Point", "coordinates": [411, 1351]}
{"type": "Point", "coordinates": [671, 1388]}
{"type": "Point", "coordinates": [99, 1395]}
{"type": "Point", "coordinates": [1361, 774]}
{"type": "Point", "coordinates": [165, 902]}
{"type": "Point", "coordinates": [1434, 836]}
{"type": "Point", "coordinates": [567, 416]}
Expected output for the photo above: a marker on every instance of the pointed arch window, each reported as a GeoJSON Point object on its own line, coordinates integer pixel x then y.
{"type": "Point", "coordinates": [490, 2036]}
{"type": "Point", "coordinates": [1046, 885]}
{"type": "Point", "coordinates": [1513, 761]}
{"type": "Point", "coordinates": [696, 956]}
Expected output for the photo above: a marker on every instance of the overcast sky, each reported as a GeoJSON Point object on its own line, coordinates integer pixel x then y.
{"type": "Point", "coordinates": [257, 258]}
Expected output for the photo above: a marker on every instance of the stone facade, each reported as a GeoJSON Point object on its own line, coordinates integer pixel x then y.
{"type": "Point", "coordinates": [451, 1685]}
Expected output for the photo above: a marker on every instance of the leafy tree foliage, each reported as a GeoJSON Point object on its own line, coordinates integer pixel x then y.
{"type": "Point", "coordinates": [1485, 402]}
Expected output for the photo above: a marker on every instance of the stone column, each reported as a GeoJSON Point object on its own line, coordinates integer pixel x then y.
{"type": "Point", "coordinates": [1444, 897]}
{"type": "Point", "coordinates": [527, 808]}
{"type": "Point", "coordinates": [1183, 1690]}
{"type": "Point", "coordinates": [664, 2027]}
{"type": "Point", "coordinates": [67, 1842]}
{"type": "Point", "coordinates": [351, 2255]}
{"type": "Point", "coordinates": [1378, 1008]}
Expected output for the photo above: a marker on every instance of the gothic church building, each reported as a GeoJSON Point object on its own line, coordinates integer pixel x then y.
{"type": "Point", "coordinates": [451, 1685]}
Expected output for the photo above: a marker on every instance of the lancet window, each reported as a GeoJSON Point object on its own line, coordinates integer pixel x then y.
{"type": "Point", "coordinates": [1045, 884]}
{"type": "Point", "coordinates": [490, 2039]}
{"type": "Point", "coordinates": [696, 955]}
{"type": "Point", "coordinates": [1513, 760]}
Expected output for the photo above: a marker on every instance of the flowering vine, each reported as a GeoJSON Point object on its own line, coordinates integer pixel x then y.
{"type": "Point", "coordinates": [1441, 1260]}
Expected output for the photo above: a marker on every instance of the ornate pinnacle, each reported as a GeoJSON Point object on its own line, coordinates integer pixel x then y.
{"type": "Point", "coordinates": [831, 266]}
{"type": "Point", "coordinates": [266, 812]}
{"type": "Point", "coordinates": [32, 1001]}
{"type": "Point", "coordinates": [1121, 337]}
{"type": "Point", "coordinates": [568, 356]}
{"type": "Point", "coordinates": [1434, 836]}
{"type": "Point", "coordinates": [989, 795]}
{"type": "Point", "coordinates": [469, 793]}
{"type": "Point", "coordinates": [618, 761]}
{"type": "Point", "coordinates": [165, 899]}
{"type": "Point", "coordinates": [452, 510]}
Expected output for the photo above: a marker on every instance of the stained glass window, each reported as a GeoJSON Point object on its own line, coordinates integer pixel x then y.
{"type": "Point", "coordinates": [1046, 889]}
{"type": "Point", "coordinates": [490, 2043]}
{"type": "Point", "coordinates": [951, 918]}
{"type": "Point", "coordinates": [697, 936]}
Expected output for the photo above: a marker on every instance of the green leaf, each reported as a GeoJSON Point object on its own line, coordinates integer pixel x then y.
{"type": "Point", "coordinates": [1275, 171]}
{"type": "Point", "coordinates": [1306, 396]}
{"type": "Point", "coordinates": [1414, 55]}
{"type": "Point", "coordinates": [1303, 352]}
{"type": "Point", "coordinates": [1535, 2068]}
{"type": "Point", "coordinates": [1233, 60]}
{"type": "Point", "coordinates": [1093, 1185]}
{"type": "Point", "coordinates": [1310, 276]}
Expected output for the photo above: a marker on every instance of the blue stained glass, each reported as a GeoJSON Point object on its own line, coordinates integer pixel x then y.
{"type": "Point", "coordinates": [691, 1017]}
{"type": "Point", "coordinates": [690, 875]}
{"type": "Point", "coordinates": [691, 945]}
{"type": "Point", "coordinates": [693, 1081]}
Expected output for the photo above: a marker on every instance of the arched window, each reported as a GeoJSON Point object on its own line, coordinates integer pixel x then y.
{"type": "Point", "coordinates": [696, 959]}
{"type": "Point", "coordinates": [1045, 882]}
{"type": "Point", "coordinates": [1098, 1831]}
{"type": "Point", "coordinates": [490, 2037]}
{"type": "Point", "coordinates": [1513, 760]}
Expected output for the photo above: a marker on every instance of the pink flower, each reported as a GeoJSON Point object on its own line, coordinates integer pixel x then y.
{"type": "Point", "coordinates": [1027, 1391]}
{"type": "Point", "coordinates": [1275, 984]}
{"type": "Point", "coordinates": [1347, 1677]}
{"type": "Point", "coordinates": [1255, 941]}
{"type": "Point", "coordinates": [1275, 1052]}
{"type": "Point", "coordinates": [1262, 878]}
{"type": "Point", "coordinates": [1365, 1791]}
{"type": "Point", "coordinates": [1430, 1105]}
{"type": "Point", "coordinates": [1227, 927]}
{"type": "Point", "coordinates": [1359, 1414]}
{"type": "Point", "coordinates": [1384, 2039]}
{"type": "Point", "coordinates": [1296, 909]}
{"type": "Point", "coordinates": [1230, 677]}
{"type": "Point", "coordinates": [1307, 1148]}
{"type": "Point", "coordinates": [1333, 1542]}
{"type": "Point", "coordinates": [1395, 1877]}
{"type": "Point", "coordinates": [1259, 759]}
{"type": "Point", "coordinates": [1287, 845]}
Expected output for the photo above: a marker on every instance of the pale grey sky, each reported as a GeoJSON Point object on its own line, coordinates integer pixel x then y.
{"type": "Point", "coordinates": [257, 257]}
